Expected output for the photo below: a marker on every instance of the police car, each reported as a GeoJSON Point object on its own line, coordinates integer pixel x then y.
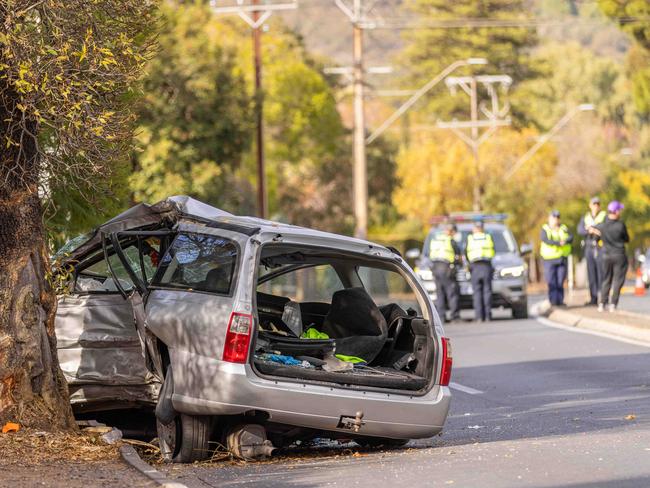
{"type": "Point", "coordinates": [510, 270]}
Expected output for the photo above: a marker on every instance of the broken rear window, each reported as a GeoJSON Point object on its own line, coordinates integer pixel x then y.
{"type": "Point", "coordinates": [198, 262]}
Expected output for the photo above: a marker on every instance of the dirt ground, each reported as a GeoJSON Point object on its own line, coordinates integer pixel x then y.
{"type": "Point", "coordinates": [33, 458]}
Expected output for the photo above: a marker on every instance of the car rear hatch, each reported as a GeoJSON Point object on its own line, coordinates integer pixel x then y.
{"type": "Point", "coordinates": [330, 315]}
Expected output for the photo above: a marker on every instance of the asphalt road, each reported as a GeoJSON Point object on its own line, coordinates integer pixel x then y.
{"type": "Point", "coordinates": [635, 304]}
{"type": "Point", "coordinates": [551, 408]}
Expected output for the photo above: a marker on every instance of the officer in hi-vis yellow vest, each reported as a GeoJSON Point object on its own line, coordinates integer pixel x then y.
{"type": "Point", "coordinates": [593, 244]}
{"type": "Point", "coordinates": [480, 251]}
{"type": "Point", "coordinates": [554, 250]}
{"type": "Point", "coordinates": [444, 253]}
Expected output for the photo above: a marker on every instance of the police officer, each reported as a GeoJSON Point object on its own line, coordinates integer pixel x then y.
{"type": "Point", "coordinates": [593, 245]}
{"type": "Point", "coordinates": [480, 251]}
{"type": "Point", "coordinates": [614, 235]}
{"type": "Point", "coordinates": [444, 253]}
{"type": "Point", "coordinates": [554, 249]}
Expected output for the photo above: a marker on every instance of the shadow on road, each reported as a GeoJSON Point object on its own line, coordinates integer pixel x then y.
{"type": "Point", "coordinates": [549, 398]}
{"type": "Point", "coordinates": [638, 482]}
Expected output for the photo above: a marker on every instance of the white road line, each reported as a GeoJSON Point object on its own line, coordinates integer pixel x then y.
{"type": "Point", "coordinates": [465, 389]}
{"type": "Point", "coordinates": [556, 325]}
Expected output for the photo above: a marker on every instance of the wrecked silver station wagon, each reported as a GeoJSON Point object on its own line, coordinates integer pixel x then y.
{"type": "Point", "coordinates": [248, 332]}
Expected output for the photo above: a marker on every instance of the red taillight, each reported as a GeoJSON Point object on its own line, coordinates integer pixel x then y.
{"type": "Point", "coordinates": [238, 338]}
{"type": "Point", "coordinates": [447, 361]}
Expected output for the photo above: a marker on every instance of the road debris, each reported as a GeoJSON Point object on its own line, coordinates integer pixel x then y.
{"type": "Point", "coordinates": [10, 427]}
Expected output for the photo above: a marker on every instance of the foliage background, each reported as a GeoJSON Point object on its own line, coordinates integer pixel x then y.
{"type": "Point", "coordinates": [195, 117]}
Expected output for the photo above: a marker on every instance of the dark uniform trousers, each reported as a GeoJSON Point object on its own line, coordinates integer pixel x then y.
{"type": "Point", "coordinates": [614, 270]}
{"type": "Point", "coordinates": [447, 292]}
{"type": "Point", "coordinates": [555, 271]}
{"type": "Point", "coordinates": [594, 271]}
{"type": "Point", "coordinates": [481, 272]}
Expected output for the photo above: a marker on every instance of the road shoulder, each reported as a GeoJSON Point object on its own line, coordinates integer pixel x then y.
{"type": "Point", "coordinates": [622, 324]}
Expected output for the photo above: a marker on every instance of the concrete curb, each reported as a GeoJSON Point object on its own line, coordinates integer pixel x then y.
{"type": "Point", "coordinates": [571, 319]}
{"type": "Point", "coordinates": [133, 459]}
{"type": "Point", "coordinates": [613, 328]}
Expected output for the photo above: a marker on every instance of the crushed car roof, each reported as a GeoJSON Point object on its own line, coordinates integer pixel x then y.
{"type": "Point", "coordinates": [172, 209]}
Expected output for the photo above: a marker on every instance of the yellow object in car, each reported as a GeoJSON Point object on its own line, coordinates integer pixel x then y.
{"type": "Point", "coordinates": [312, 333]}
{"type": "Point", "coordinates": [350, 359]}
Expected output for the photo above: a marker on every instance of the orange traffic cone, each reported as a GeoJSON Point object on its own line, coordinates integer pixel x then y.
{"type": "Point", "coordinates": [639, 287]}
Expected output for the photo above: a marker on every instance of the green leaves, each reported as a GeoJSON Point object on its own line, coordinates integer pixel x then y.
{"type": "Point", "coordinates": [196, 119]}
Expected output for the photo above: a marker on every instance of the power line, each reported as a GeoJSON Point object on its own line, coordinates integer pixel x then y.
{"type": "Point", "coordinates": [477, 23]}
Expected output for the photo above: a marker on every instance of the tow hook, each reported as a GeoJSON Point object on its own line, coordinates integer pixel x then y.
{"type": "Point", "coordinates": [352, 423]}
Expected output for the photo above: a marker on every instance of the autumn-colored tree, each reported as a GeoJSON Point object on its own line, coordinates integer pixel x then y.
{"type": "Point", "coordinates": [65, 68]}
{"type": "Point", "coordinates": [436, 177]}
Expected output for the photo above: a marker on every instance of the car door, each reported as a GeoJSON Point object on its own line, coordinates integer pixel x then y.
{"type": "Point", "coordinates": [98, 346]}
{"type": "Point", "coordinates": [139, 254]}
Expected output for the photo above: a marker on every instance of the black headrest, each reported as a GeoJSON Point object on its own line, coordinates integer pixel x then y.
{"type": "Point", "coordinates": [354, 312]}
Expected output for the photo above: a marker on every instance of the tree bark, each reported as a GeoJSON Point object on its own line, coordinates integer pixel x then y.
{"type": "Point", "coordinates": [33, 390]}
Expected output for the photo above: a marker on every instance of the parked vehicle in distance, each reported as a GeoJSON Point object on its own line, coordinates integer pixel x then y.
{"type": "Point", "coordinates": [260, 333]}
{"type": "Point", "coordinates": [510, 271]}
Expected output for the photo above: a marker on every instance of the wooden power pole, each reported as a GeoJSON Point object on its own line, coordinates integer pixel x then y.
{"type": "Point", "coordinates": [262, 204]}
{"type": "Point", "coordinates": [258, 15]}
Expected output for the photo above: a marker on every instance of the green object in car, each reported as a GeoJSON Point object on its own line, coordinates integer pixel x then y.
{"type": "Point", "coordinates": [312, 333]}
{"type": "Point", "coordinates": [350, 359]}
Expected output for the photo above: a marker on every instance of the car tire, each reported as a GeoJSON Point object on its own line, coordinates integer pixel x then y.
{"type": "Point", "coordinates": [381, 442]}
{"type": "Point", "coordinates": [520, 311]}
{"type": "Point", "coordinates": [184, 439]}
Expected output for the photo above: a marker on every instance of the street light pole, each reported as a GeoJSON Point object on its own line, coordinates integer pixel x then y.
{"type": "Point", "coordinates": [585, 107]}
{"type": "Point", "coordinates": [422, 91]}
{"type": "Point", "coordinates": [476, 190]}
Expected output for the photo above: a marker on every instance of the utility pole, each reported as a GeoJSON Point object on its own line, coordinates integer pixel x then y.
{"type": "Point", "coordinates": [262, 204]}
{"type": "Point", "coordinates": [360, 163]}
{"type": "Point", "coordinates": [355, 14]}
{"type": "Point", "coordinates": [493, 117]}
{"type": "Point", "coordinates": [258, 15]}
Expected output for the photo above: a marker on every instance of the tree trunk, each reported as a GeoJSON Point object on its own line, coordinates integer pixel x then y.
{"type": "Point", "coordinates": [33, 390]}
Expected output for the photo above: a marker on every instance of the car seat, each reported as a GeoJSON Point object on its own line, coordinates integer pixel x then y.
{"type": "Point", "coordinates": [356, 323]}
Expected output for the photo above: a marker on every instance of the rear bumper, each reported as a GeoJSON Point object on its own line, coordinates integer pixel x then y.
{"type": "Point", "coordinates": [205, 386]}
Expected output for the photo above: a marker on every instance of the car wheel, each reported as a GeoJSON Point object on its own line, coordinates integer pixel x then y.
{"type": "Point", "coordinates": [184, 439]}
{"type": "Point", "coordinates": [520, 311]}
{"type": "Point", "coordinates": [381, 442]}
